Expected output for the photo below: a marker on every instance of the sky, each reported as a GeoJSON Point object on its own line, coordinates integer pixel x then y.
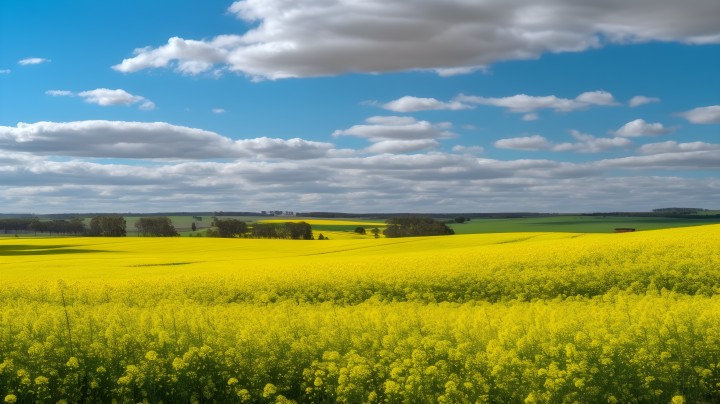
{"type": "Point", "coordinates": [359, 106]}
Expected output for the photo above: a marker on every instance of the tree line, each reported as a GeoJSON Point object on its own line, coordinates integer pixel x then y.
{"type": "Point", "coordinates": [100, 226]}
{"type": "Point", "coordinates": [237, 228]}
{"type": "Point", "coordinates": [62, 227]}
{"type": "Point", "coordinates": [413, 226]}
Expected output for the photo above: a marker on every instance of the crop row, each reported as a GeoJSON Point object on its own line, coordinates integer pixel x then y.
{"type": "Point", "coordinates": [614, 348]}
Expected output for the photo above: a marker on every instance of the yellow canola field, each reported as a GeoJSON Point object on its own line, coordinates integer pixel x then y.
{"type": "Point", "coordinates": [512, 317]}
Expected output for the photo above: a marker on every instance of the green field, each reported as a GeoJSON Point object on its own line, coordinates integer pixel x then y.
{"type": "Point", "coordinates": [572, 224]}
{"type": "Point", "coordinates": [575, 224]}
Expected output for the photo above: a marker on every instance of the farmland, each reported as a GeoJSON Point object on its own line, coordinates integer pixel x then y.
{"type": "Point", "coordinates": [578, 224]}
{"type": "Point", "coordinates": [509, 317]}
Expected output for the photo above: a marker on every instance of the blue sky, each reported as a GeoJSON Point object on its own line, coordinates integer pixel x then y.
{"type": "Point", "coordinates": [373, 106]}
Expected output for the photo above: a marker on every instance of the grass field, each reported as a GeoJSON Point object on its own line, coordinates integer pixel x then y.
{"type": "Point", "coordinates": [510, 317]}
{"type": "Point", "coordinates": [577, 224]}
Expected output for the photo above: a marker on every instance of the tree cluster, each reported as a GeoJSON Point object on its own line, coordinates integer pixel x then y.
{"type": "Point", "coordinates": [412, 226]}
{"type": "Point", "coordinates": [230, 228]}
{"type": "Point", "coordinates": [237, 228]}
{"type": "Point", "coordinates": [74, 226]}
{"type": "Point", "coordinates": [107, 226]}
{"type": "Point", "coordinates": [156, 226]}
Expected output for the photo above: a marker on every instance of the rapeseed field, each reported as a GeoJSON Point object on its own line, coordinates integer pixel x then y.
{"type": "Point", "coordinates": [515, 317]}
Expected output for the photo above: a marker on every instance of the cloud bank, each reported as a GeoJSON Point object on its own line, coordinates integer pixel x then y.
{"type": "Point", "coordinates": [158, 166]}
{"type": "Point", "coordinates": [305, 38]}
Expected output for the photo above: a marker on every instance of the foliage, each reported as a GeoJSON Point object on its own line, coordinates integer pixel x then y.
{"type": "Point", "coordinates": [107, 226]}
{"type": "Point", "coordinates": [360, 230]}
{"type": "Point", "coordinates": [74, 226]}
{"type": "Point", "coordinates": [413, 226]}
{"type": "Point", "coordinates": [230, 227]}
{"type": "Point", "coordinates": [159, 226]}
{"type": "Point", "coordinates": [287, 230]}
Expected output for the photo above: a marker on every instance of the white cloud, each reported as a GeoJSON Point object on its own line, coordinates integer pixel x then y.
{"type": "Point", "coordinates": [398, 134]}
{"type": "Point", "coordinates": [402, 146]}
{"type": "Point", "coordinates": [5, 71]}
{"type": "Point", "coordinates": [421, 182]}
{"type": "Point", "coordinates": [687, 160]}
{"type": "Point", "coordinates": [639, 100]}
{"type": "Point", "coordinates": [304, 38]}
{"type": "Point", "coordinates": [412, 104]}
{"type": "Point", "coordinates": [146, 140]}
{"type": "Point", "coordinates": [703, 115]}
{"type": "Point", "coordinates": [639, 127]}
{"type": "Point", "coordinates": [529, 105]}
{"type": "Point", "coordinates": [596, 98]}
{"type": "Point", "coordinates": [468, 149]}
{"type": "Point", "coordinates": [33, 61]}
{"type": "Point", "coordinates": [59, 93]}
{"type": "Point", "coordinates": [218, 111]}
{"type": "Point", "coordinates": [586, 143]}
{"type": "Point", "coordinates": [106, 97]}
{"type": "Point", "coordinates": [147, 106]}
{"type": "Point", "coordinates": [675, 147]}
{"type": "Point", "coordinates": [529, 143]}
{"type": "Point", "coordinates": [291, 149]}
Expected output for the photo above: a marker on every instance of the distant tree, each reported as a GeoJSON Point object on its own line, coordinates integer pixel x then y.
{"type": "Point", "coordinates": [321, 237]}
{"type": "Point", "coordinates": [460, 219]}
{"type": "Point", "coordinates": [289, 230]}
{"type": "Point", "coordinates": [156, 226]}
{"type": "Point", "coordinates": [193, 226]}
{"type": "Point", "coordinates": [376, 232]}
{"type": "Point", "coordinates": [411, 226]}
{"type": "Point", "coordinates": [107, 226]}
{"type": "Point", "coordinates": [360, 230]}
{"type": "Point", "coordinates": [298, 231]}
{"type": "Point", "coordinates": [230, 227]}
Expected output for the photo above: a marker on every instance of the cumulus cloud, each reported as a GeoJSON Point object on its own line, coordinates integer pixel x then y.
{"type": "Point", "coordinates": [402, 146]}
{"type": "Point", "coordinates": [396, 134]}
{"type": "Point", "coordinates": [468, 149]}
{"type": "Point", "coordinates": [146, 140]}
{"type": "Point", "coordinates": [520, 103]}
{"type": "Point", "coordinates": [422, 182]}
{"type": "Point", "coordinates": [703, 115]}
{"type": "Point", "coordinates": [584, 143]}
{"type": "Point", "coordinates": [303, 38]}
{"type": "Point", "coordinates": [5, 71]}
{"type": "Point", "coordinates": [33, 61]}
{"type": "Point", "coordinates": [291, 149]}
{"type": "Point", "coordinates": [412, 104]}
{"type": "Point", "coordinates": [639, 127]}
{"type": "Point", "coordinates": [639, 100]}
{"type": "Point", "coordinates": [672, 146]}
{"type": "Point", "coordinates": [218, 111]}
{"type": "Point", "coordinates": [688, 160]}
{"type": "Point", "coordinates": [529, 105]}
{"type": "Point", "coordinates": [106, 97]}
{"type": "Point", "coordinates": [530, 143]}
